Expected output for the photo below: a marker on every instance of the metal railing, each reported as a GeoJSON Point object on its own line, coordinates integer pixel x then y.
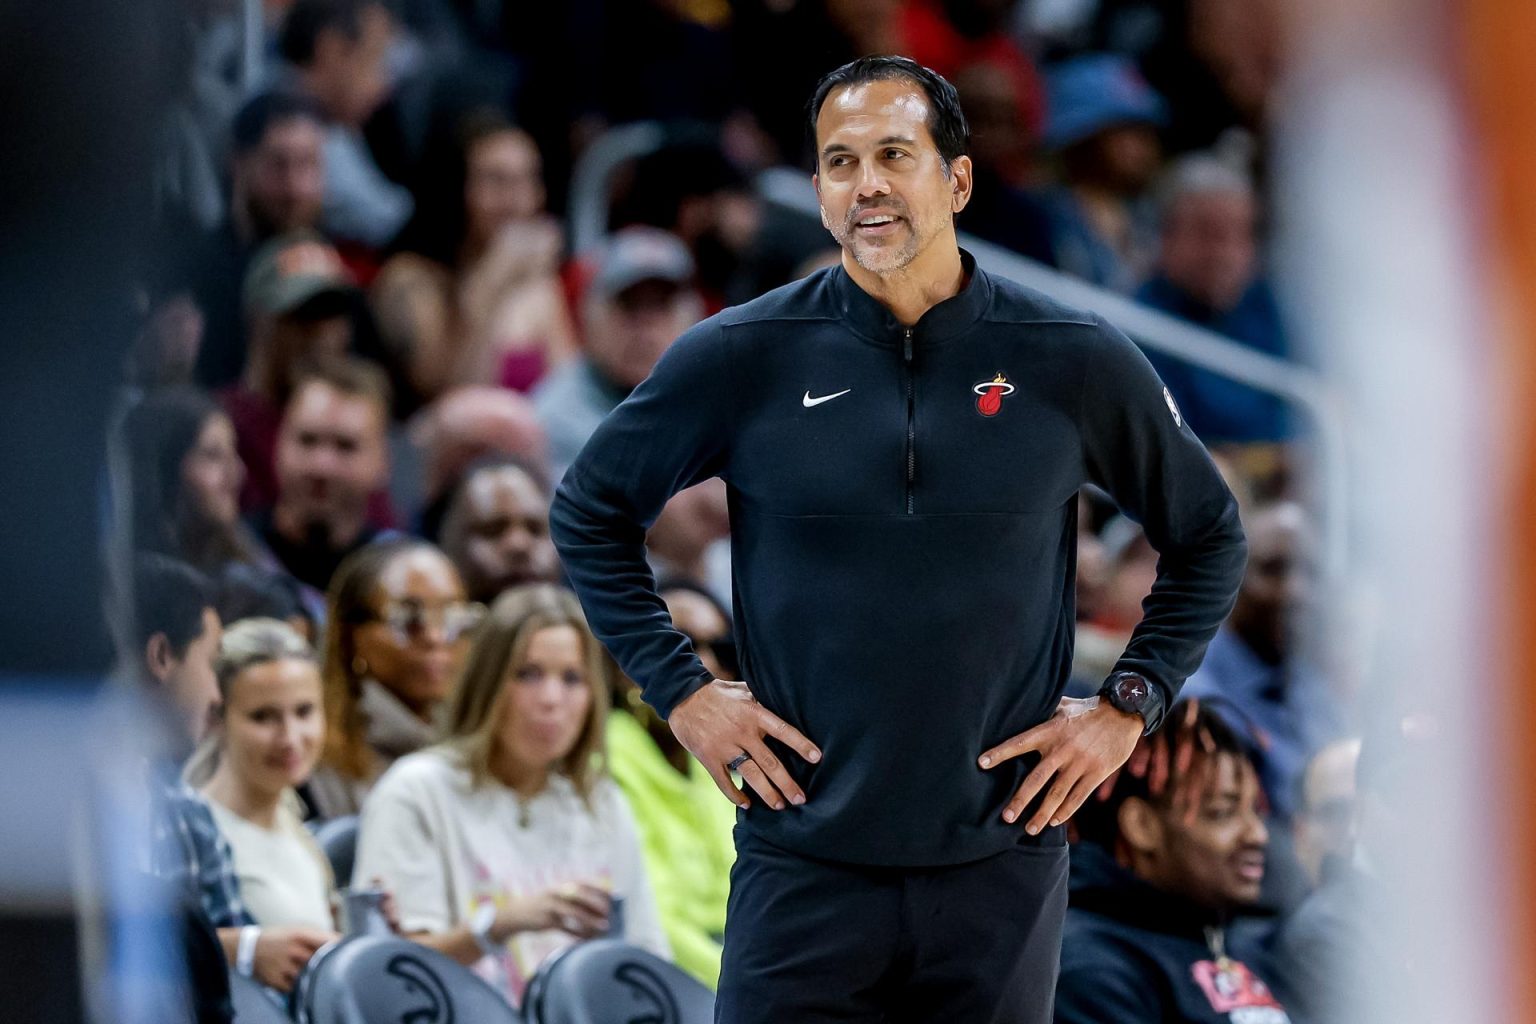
{"type": "Point", "coordinates": [790, 190]}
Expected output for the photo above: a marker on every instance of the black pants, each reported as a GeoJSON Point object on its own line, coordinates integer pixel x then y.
{"type": "Point", "coordinates": [810, 941]}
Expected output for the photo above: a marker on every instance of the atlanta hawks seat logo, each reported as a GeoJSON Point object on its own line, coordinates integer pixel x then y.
{"type": "Point", "coordinates": [990, 394]}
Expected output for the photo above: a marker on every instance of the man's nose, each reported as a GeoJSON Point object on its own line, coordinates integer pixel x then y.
{"type": "Point", "coordinates": [1256, 832]}
{"type": "Point", "coordinates": [872, 182]}
{"type": "Point", "coordinates": [516, 542]}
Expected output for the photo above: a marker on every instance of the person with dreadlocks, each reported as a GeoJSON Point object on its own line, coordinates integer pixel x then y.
{"type": "Point", "coordinates": [1167, 854]}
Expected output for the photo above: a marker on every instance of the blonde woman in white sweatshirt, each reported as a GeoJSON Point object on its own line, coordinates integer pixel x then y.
{"type": "Point", "coordinates": [507, 842]}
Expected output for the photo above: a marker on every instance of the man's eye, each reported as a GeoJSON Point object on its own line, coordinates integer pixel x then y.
{"type": "Point", "coordinates": [894, 154]}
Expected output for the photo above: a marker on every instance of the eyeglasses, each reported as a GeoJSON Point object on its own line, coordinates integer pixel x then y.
{"type": "Point", "coordinates": [408, 619]}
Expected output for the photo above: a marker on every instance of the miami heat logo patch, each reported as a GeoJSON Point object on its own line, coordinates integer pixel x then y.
{"type": "Point", "coordinates": [1235, 990]}
{"type": "Point", "coordinates": [990, 394]}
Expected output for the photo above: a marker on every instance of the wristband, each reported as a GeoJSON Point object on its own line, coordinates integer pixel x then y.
{"type": "Point", "coordinates": [245, 951]}
{"type": "Point", "coordinates": [480, 927]}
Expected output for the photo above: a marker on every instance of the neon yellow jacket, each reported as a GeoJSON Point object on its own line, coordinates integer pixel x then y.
{"type": "Point", "coordinates": [685, 835]}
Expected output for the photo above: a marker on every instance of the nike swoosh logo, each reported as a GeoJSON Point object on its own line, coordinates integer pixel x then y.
{"type": "Point", "coordinates": [808, 401]}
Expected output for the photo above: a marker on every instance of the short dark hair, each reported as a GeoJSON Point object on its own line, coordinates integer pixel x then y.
{"type": "Point", "coordinates": [250, 592]}
{"type": "Point", "coordinates": [263, 111]}
{"type": "Point", "coordinates": [946, 120]}
{"type": "Point", "coordinates": [169, 597]}
{"type": "Point", "coordinates": [308, 18]}
{"type": "Point", "coordinates": [1163, 769]}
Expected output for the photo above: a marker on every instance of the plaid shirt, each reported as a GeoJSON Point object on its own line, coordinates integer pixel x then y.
{"type": "Point", "coordinates": [190, 851]}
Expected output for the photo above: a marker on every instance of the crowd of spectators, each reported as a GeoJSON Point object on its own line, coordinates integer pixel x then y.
{"type": "Point", "coordinates": [368, 354]}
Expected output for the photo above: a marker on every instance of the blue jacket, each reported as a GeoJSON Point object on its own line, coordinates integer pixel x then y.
{"type": "Point", "coordinates": [1222, 410]}
{"type": "Point", "coordinates": [1132, 953]}
{"type": "Point", "coordinates": [904, 536]}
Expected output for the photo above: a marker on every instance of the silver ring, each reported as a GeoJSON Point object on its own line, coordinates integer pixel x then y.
{"type": "Point", "coordinates": [738, 761]}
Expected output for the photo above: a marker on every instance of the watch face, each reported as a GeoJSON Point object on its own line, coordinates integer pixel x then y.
{"type": "Point", "coordinates": [1131, 692]}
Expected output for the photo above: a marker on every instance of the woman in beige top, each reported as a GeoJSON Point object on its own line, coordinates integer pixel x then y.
{"type": "Point", "coordinates": [507, 842]}
{"type": "Point", "coordinates": [396, 628]}
{"type": "Point", "coordinates": [267, 741]}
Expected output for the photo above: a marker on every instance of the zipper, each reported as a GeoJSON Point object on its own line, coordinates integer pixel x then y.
{"type": "Point", "coordinates": [906, 358]}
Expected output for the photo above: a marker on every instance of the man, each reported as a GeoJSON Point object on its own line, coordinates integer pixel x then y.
{"type": "Point", "coordinates": [277, 179]}
{"type": "Point", "coordinates": [332, 457]}
{"type": "Point", "coordinates": [496, 531]}
{"type": "Point", "coordinates": [690, 539]}
{"type": "Point", "coordinates": [1102, 129]}
{"type": "Point", "coordinates": [1208, 273]}
{"type": "Point", "coordinates": [903, 438]}
{"type": "Point", "coordinates": [297, 299]}
{"type": "Point", "coordinates": [176, 638]}
{"type": "Point", "coordinates": [1269, 689]}
{"type": "Point", "coordinates": [338, 50]}
{"type": "Point", "coordinates": [1162, 866]}
{"type": "Point", "coordinates": [448, 436]}
{"type": "Point", "coordinates": [1325, 823]}
{"type": "Point", "coordinates": [641, 297]}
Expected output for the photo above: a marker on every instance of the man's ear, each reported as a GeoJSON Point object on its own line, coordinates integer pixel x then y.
{"type": "Point", "coordinates": [960, 175]}
{"type": "Point", "coordinates": [160, 657]}
{"type": "Point", "coordinates": [816, 184]}
{"type": "Point", "coordinates": [1140, 825]}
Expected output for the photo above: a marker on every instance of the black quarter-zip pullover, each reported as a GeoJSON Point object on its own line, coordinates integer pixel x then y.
{"type": "Point", "coordinates": [903, 539]}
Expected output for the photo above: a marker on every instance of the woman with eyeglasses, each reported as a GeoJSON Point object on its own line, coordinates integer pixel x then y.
{"type": "Point", "coordinates": [395, 636]}
{"type": "Point", "coordinates": [506, 842]}
{"type": "Point", "coordinates": [685, 828]}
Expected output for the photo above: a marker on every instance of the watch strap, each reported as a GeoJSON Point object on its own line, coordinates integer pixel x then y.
{"type": "Point", "coordinates": [1151, 709]}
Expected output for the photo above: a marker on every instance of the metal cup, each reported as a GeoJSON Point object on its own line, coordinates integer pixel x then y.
{"type": "Point", "coordinates": [362, 912]}
{"type": "Point", "coordinates": [615, 916]}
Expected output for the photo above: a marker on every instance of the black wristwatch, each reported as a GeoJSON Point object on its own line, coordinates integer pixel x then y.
{"type": "Point", "coordinates": [1134, 693]}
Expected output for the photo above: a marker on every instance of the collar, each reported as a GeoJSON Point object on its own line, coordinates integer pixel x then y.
{"type": "Point", "coordinates": [1102, 886]}
{"type": "Point", "coordinates": [392, 728]}
{"type": "Point", "coordinates": [871, 319]}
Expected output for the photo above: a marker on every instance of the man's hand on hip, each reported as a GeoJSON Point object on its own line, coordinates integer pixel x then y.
{"type": "Point", "coordinates": [722, 722]}
{"type": "Point", "coordinates": [1082, 744]}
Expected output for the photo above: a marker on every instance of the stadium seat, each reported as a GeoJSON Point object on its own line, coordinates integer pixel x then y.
{"type": "Point", "coordinates": [338, 838]}
{"type": "Point", "coordinates": [254, 1003]}
{"type": "Point", "coordinates": [386, 980]}
{"type": "Point", "coordinates": [611, 982]}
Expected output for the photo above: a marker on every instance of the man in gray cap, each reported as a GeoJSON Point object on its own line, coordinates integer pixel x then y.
{"type": "Point", "coordinates": [641, 298]}
{"type": "Point", "coordinates": [298, 298]}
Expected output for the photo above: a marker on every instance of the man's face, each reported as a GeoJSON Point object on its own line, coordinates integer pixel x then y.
{"type": "Point", "coordinates": [1325, 828]}
{"type": "Point", "coordinates": [1129, 157]}
{"type": "Point", "coordinates": [691, 521]}
{"type": "Point", "coordinates": [350, 75]}
{"type": "Point", "coordinates": [1215, 856]}
{"type": "Point", "coordinates": [885, 193]}
{"type": "Point", "coordinates": [189, 680]}
{"type": "Point", "coordinates": [1277, 586]}
{"type": "Point", "coordinates": [281, 183]}
{"type": "Point", "coordinates": [505, 538]}
{"type": "Point", "coordinates": [628, 333]}
{"type": "Point", "coordinates": [330, 453]}
{"type": "Point", "coordinates": [1209, 248]}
